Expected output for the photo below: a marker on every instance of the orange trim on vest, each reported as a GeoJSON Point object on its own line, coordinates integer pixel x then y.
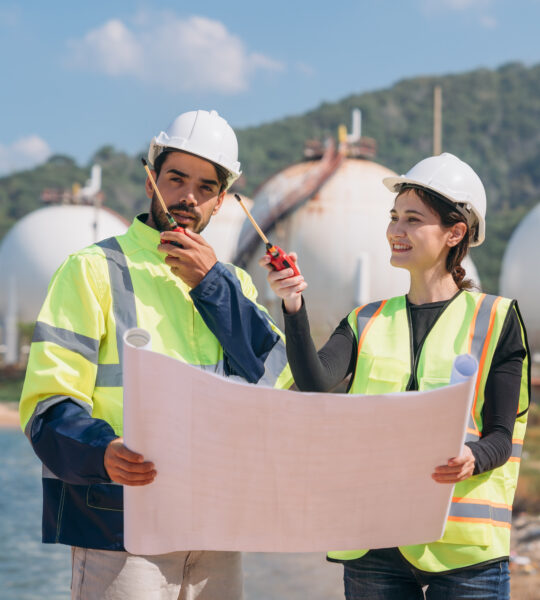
{"type": "Point", "coordinates": [369, 323]}
{"type": "Point", "coordinates": [484, 521]}
{"type": "Point", "coordinates": [480, 501]}
{"type": "Point", "coordinates": [359, 309]}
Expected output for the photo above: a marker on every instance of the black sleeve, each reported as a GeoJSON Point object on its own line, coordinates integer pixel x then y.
{"type": "Point", "coordinates": [322, 371]}
{"type": "Point", "coordinates": [501, 399]}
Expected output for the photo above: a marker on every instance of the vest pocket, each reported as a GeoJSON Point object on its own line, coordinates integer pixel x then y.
{"type": "Point", "coordinates": [105, 496]}
{"type": "Point", "coordinates": [384, 375]}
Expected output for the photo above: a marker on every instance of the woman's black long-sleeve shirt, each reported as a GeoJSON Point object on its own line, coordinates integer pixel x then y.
{"type": "Point", "coordinates": [323, 370]}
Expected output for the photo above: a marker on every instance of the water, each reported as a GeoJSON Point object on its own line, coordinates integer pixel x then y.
{"type": "Point", "coordinates": [30, 570]}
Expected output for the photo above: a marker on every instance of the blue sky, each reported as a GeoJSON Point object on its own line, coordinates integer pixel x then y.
{"type": "Point", "coordinates": [78, 75]}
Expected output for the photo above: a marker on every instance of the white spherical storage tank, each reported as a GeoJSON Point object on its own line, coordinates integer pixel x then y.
{"type": "Point", "coordinates": [222, 231]}
{"type": "Point", "coordinates": [520, 277]}
{"type": "Point", "coordinates": [37, 245]}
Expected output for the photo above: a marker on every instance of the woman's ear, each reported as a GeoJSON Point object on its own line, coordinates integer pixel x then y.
{"type": "Point", "coordinates": [457, 233]}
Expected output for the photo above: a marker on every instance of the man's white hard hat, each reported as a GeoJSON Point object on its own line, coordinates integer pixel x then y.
{"type": "Point", "coordinates": [204, 134]}
{"type": "Point", "coordinates": [453, 180]}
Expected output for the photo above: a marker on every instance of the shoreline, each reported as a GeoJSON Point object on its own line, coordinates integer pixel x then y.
{"type": "Point", "coordinates": [9, 415]}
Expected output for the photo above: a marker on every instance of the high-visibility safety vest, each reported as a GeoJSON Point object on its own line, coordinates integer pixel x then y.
{"type": "Point", "coordinates": [123, 282]}
{"type": "Point", "coordinates": [478, 526]}
{"type": "Point", "coordinates": [94, 298]}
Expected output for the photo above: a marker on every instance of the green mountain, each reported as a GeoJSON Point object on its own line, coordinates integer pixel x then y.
{"type": "Point", "coordinates": [491, 119]}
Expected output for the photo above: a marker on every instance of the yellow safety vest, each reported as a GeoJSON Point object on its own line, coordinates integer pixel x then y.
{"type": "Point", "coordinates": [478, 526]}
{"type": "Point", "coordinates": [122, 282]}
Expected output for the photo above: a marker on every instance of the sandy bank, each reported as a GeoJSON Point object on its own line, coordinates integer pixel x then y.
{"type": "Point", "coordinates": [9, 414]}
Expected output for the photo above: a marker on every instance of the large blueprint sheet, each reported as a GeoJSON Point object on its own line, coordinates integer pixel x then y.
{"type": "Point", "coordinates": [243, 467]}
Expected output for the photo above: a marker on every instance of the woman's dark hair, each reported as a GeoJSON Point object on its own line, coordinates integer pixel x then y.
{"type": "Point", "coordinates": [449, 216]}
{"type": "Point", "coordinates": [220, 171]}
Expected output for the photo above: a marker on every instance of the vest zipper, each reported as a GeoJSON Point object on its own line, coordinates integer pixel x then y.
{"type": "Point", "coordinates": [412, 384]}
{"type": "Point", "coordinates": [412, 378]}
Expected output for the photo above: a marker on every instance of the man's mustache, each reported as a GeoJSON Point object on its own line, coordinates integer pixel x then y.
{"type": "Point", "coordinates": [184, 208]}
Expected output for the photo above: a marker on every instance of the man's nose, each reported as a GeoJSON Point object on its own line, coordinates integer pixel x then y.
{"type": "Point", "coordinates": [190, 199]}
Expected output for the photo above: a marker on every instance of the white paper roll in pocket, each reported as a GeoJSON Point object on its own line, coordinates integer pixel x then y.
{"type": "Point", "coordinates": [464, 367]}
{"type": "Point", "coordinates": [138, 338]}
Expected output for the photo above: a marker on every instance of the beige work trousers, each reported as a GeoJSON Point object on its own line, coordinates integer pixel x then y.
{"type": "Point", "coordinates": [106, 575]}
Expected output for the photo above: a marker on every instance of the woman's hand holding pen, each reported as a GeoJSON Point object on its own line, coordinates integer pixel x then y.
{"type": "Point", "coordinates": [286, 287]}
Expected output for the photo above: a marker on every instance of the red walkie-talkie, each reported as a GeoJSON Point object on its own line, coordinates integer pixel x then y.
{"type": "Point", "coordinates": [279, 259]}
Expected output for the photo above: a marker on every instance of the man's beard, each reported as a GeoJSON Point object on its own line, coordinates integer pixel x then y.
{"type": "Point", "coordinates": [162, 222]}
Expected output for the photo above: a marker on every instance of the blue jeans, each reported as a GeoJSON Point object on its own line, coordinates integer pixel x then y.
{"type": "Point", "coordinates": [385, 575]}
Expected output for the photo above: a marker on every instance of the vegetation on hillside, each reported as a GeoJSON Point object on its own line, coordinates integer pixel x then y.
{"type": "Point", "coordinates": [491, 119]}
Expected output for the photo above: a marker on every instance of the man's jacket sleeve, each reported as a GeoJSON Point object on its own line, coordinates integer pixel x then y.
{"type": "Point", "coordinates": [253, 346]}
{"type": "Point", "coordinates": [56, 401]}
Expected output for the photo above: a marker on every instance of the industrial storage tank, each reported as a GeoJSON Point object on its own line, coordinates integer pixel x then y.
{"type": "Point", "coordinates": [333, 213]}
{"type": "Point", "coordinates": [520, 277]}
{"type": "Point", "coordinates": [34, 248]}
{"type": "Point", "coordinates": [224, 228]}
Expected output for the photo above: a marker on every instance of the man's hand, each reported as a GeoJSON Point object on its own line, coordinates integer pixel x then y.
{"type": "Point", "coordinates": [127, 467]}
{"type": "Point", "coordinates": [457, 469]}
{"type": "Point", "coordinates": [192, 262]}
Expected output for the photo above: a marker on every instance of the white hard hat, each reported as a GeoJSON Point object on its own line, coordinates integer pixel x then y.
{"type": "Point", "coordinates": [203, 134]}
{"type": "Point", "coordinates": [454, 180]}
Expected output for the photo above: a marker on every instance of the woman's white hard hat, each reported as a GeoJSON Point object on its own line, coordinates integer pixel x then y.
{"type": "Point", "coordinates": [453, 180]}
{"type": "Point", "coordinates": [204, 134]}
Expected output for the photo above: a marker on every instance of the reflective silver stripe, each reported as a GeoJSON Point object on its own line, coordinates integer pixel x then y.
{"type": "Point", "coordinates": [478, 342]}
{"type": "Point", "coordinates": [364, 316]}
{"type": "Point", "coordinates": [85, 346]}
{"type": "Point", "coordinates": [274, 364]}
{"type": "Point", "coordinates": [109, 376]}
{"type": "Point", "coordinates": [469, 510]}
{"type": "Point", "coordinates": [517, 449]}
{"type": "Point", "coordinates": [481, 326]}
{"type": "Point", "coordinates": [123, 304]}
{"type": "Point", "coordinates": [44, 405]}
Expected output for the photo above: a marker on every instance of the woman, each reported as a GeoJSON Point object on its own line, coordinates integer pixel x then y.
{"type": "Point", "coordinates": [409, 343]}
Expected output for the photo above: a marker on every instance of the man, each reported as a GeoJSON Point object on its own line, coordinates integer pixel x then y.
{"type": "Point", "coordinates": [196, 309]}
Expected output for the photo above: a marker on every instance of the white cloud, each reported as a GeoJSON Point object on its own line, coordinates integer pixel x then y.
{"type": "Point", "coordinates": [194, 54]}
{"type": "Point", "coordinates": [24, 153]}
{"type": "Point", "coordinates": [477, 9]}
